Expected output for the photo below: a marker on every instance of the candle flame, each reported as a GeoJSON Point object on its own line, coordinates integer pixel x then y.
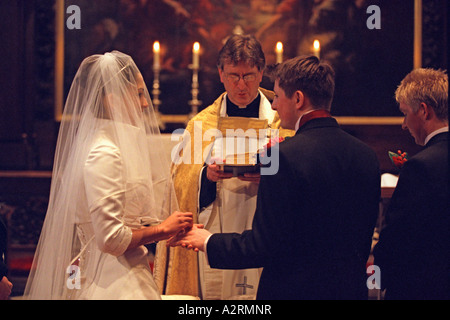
{"type": "Point", "coordinates": [156, 46]}
{"type": "Point", "coordinates": [316, 44]}
{"type": "Point", "coordinates": [196, 47]}
{"type": "Point", "coordinates": [279, 47]}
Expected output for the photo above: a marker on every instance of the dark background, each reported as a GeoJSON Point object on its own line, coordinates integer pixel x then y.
{"type": "Point", "coordinates": [369, 65]}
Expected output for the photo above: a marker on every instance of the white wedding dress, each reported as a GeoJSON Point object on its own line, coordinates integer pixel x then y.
{"type": "Point", "coordinates": [109, 177]}
{"type": "Point", "coordinates": [114, 205]}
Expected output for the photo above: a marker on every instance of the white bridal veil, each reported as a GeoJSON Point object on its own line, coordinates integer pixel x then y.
{"type": "Point", "coordinates": [108, 90]}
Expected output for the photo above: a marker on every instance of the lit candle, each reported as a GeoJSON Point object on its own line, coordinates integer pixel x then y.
{"type": "Point", "coordinates": [279, 52]}
{"type": "Point", "coordinates": [195, 55]}
{"type": "Point", "coordinates": [317, 48]}
{"type": "Point", "coordinates": [156, 50]}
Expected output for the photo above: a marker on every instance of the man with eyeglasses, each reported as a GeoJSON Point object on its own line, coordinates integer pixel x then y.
{"type": "Point", "coordinates": [224, 203]}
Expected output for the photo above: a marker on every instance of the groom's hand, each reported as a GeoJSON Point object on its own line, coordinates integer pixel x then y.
{"type": "Point", "coordinates": [191, 239]}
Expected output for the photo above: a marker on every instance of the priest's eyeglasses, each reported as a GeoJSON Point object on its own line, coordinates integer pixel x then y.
{"type": "Point", "coordinates": [234, 78]}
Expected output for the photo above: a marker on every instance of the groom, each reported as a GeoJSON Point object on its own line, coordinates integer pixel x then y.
{"type": "Point", "coordinates": [314, 218]}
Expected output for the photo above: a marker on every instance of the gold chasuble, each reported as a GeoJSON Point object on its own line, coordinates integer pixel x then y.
{"type": "Point", "coordinates": [177, 269]}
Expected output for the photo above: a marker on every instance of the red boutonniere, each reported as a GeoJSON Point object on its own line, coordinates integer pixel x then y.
{"type": "Point", "coordinates": [399, 158]}
{"type": "Point", "coordinates": [265, 151]}
{"type": "Point", "coordinates": [273, 141]}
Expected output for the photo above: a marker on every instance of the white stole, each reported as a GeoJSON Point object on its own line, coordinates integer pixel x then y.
{"type": "Point", "coordinates": [232, 211]}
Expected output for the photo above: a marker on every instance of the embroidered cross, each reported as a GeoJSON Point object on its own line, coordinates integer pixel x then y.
{"type": "Point", "coordinates": [244, 285]}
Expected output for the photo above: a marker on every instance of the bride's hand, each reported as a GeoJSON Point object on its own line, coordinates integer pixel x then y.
{"type": "Point", "coordinates": [177, 222]}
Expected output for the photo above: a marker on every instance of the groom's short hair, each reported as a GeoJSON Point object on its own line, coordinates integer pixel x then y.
{"type": "Point", "coordinates": [309, 75]}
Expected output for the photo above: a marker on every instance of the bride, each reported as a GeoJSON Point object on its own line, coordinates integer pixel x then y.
{"type": "Point", "coordinates": [111, 191]}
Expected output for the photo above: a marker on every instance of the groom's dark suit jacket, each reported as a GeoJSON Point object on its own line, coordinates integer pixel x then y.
{"type": "Point", "coordinates": [314, 219]}
{"type": "Point", "coordinates": [414, 248]}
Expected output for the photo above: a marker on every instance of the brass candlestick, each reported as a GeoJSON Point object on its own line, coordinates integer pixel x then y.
{"type": "Point", "coordinates": [194, 103]}
{"type": "Point", "coordinates": [155, 97]}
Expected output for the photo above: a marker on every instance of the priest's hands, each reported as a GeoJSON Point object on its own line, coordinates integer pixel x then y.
{"type": "Point", "coordinates": [191, 239]}
{"type": "Point", "coordinates": [214, 173]}
{"type": "Point", "coordinates": [250, 177]}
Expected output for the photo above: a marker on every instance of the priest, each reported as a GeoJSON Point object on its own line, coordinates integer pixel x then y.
{"type": "Point", "coordinates": [224, 202]}
{"type": "Point", "coordinates": [313, 224]}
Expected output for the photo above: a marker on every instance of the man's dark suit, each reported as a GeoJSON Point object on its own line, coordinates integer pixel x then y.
{"type": "Point", "coordinates": [413, 251]}
{"type": "Point", "coordinates": [314, 219]}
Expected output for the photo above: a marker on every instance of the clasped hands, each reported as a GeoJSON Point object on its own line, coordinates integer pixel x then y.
{"type": "Point", "coordinates": [193, 238]}
{"type": "Point", "coordinates": [179, 230]}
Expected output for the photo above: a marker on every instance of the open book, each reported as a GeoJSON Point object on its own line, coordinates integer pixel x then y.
{"type": "Point", "coordinates": [239, 144]}
{"type": "Point", "coordinates": [239, 164]}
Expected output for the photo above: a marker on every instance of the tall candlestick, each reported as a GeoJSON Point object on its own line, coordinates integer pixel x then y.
{"type": "Point", "coordinates": [195, 103]}
{"type": "Point", "coordinates": [279, 52]}
{"type": "Point", "coordinates": [156, 50]}
{"type": "Point", "coordinates": [195, 55]}
{"type": "Point", "coordinates": [316, 46]}
{"type": "Point", "coordinates": [156, 87]}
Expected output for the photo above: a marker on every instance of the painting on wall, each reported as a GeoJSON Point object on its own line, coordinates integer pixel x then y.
{"type": "Point", "coordinates": [369, 63]}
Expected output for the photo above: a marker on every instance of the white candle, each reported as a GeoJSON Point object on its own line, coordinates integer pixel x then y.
{"type": "Point", "coordinates": [316, 47]}
{"type": "Point", "coordinates": [156, 50]}
{"type": "Point", "coordinates": [279, 52]}
{"type": "Point", "coordinates": [195, 55]}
